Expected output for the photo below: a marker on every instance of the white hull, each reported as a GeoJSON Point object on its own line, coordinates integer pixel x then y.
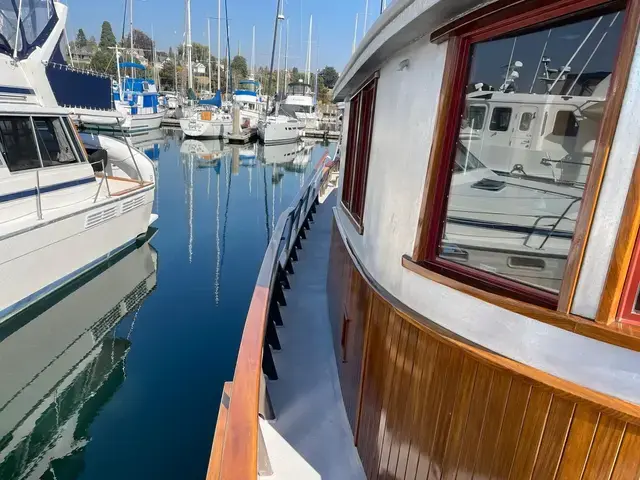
{"type": "Point", "coordinates": [131, 123]}
{"type": "Point", "coordinates": [206, 129]}
{"type": "Point", "coordinates": [56, 251]}
{"type": "Point", "coordinates": [273, 133]}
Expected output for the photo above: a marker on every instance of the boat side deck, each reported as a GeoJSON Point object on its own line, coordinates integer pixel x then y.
{"type": "Point", "coordinates": [310, 437]}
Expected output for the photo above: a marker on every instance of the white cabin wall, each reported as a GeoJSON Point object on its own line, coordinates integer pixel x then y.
{"type": "Point", "coordinates": [401, 142]}
{"type": "Point", "coordinates": [613, 194]}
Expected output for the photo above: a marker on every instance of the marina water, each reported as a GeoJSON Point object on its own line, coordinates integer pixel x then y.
{"type": "Point", "coordinates": [119, 374]}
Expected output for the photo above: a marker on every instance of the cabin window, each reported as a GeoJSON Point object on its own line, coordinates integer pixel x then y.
{"type": "Point", "coordinates": [525, 121]}
{"type": "Point", "coordinates": [566, 124]}
{"type": "Point", "coordinates": [501, 209]}
{"type": "Point", "coordinates": [17, 144]}
{"type": "Point", "coordinates": [474, 116]}
{"type": "Point", "coordinates": [500, 119]}
{"type": "Point", "coordinates": [55, 147]}
{"type": "Point", "coordinates": [354, 188]}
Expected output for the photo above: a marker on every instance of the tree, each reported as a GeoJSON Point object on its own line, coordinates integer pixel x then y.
{"type": "Point", "coordinates": [170, 52]}
{"type": "Point", "coordinates": [199, 53]}
{"type": "Point", "coordinates": [81, 39]}
{"type": "Point", "coordinates": [92, 43]}
{"type": "Point", "coordinates": [329, 76]}
{"type": "Point", "coordinates": [104, 61]}
{"type": "Point", "coordinates": [140, 40]}
{"type": "Point", "coordinates": [239, 68]}
{"type": "Point", "coordinates": [107, 38]}
{"type": "Point", "coordinates": [167, 76]}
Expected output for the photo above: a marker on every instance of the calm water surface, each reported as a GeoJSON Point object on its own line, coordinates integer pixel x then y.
{"type": "Point", "coordinates": [119, 375]}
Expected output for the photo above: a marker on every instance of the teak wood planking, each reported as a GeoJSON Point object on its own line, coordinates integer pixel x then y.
{"type": "Point", "coordinates": [433, 406]}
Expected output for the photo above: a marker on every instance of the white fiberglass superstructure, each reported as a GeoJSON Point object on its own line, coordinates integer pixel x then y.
{"type": "Point", "coordinates": [300, 100]}
{"type": "Point", "coordinates": [248, 96]}
{"type": "Point", "coordinates": [63, 207]}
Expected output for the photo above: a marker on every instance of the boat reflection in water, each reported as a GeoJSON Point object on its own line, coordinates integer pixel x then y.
{"type": "Point", "coordinates": [205, 153]}
{"type": "Point", "coordinates": [151, 143]}
{"type": "Point", "coordinates": [77, 344]}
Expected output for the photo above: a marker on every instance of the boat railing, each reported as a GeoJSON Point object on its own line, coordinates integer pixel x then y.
{"type": "Point", "coordinates": [548, 233]}
{"type": "Point", "coordinates": [238, 450]}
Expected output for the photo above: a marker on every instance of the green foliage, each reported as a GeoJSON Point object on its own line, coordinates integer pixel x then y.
{"type": "Point", "coordinates": [239, 69]}
{"type": "Point", "coordinates": [199, 53]}
{"type": "Point", "coordinates": [167, 76]}
{"type": "Point", "coordinates": [107, 38]}
{"type": "Point", "coordinates": [140, 40]}
{"type": "Point", "coordinates": [104, 61]}
{"type": "Point", "coordinates": [329, 76]}
{"type": "Point", "coordinates": [81, 39]}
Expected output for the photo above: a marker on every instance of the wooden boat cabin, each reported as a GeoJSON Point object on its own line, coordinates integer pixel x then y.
{"type": "Point", "coordinates": [466, 303]}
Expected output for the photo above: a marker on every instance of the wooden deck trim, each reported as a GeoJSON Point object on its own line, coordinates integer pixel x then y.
{"type": "Point", "coordinates": [621, 409]}
{"type": "Point", "coordinates": [239, 450]}
{"type": "Point", "coordinates": [615, 97]}
{"type": "Point", "coordinates": [215, 459]}
{"type": "Point", "coordinates": [622, 252]}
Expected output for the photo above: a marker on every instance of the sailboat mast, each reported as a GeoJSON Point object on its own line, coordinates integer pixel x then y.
{"type": "Point", "coordinates": [209, 40]}
{"type": "Point", "coordinates": [273, 54]}
{"type": "Point", "coordinates": [366, 15]}
{"type": "Point", "coordinates": [308, 67]}
{"type": "Point", "coordinates": [279, 55]}
{"type": "Point", "coordinates": [219, 60]}
{"type": "Point", "coordinates": [189, 66]}
{"type": "Point", "coordinates": [131, 34]}
{"type": "Point", "coordinates": [253, 51]}
{"type": "Point", "coordinates": [355, 36]}
{"type": "Point", "coordinates": [286, 57]}
{"type": "Point", "coordinates": [156, 78]}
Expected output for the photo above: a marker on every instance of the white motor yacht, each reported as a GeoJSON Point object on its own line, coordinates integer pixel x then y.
{"type": "Point", "coordinates": [207, 122]}
{"type": "Point", "coordinates": [63, 207]}
{"type": "Point", "coordinates": [300, 100]}
{"type": "Point", "coordinates": [279, 127]}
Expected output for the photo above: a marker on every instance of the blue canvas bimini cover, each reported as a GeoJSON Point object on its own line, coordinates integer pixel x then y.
{"type": "Point", "coordinates": [80, 89]}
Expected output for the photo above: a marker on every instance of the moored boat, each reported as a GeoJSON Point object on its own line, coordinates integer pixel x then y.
{"type": "Point", "coordinates": [64, 209]}
{"type": "Point", "coordinates": [466, 303]}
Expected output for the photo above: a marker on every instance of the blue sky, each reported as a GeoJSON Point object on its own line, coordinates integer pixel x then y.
{"type": "Point", "coordinates": [333, 24]}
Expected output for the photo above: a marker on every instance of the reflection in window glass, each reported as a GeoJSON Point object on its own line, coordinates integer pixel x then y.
{"type": "Point", "coordinates": [17, 144]}
{"type": "Point", "coordinates": [566, 124]}
{"type": "Point", "coordinates": [516, 186]}
{"type": "Point", "coordinates": [525, 121]}
{"type": "Point", "coordinates": [55, 147]}
{"type": "Point", "coordinates": [474, 116]}
{"type": "Point", "coordinates": [500, 118]}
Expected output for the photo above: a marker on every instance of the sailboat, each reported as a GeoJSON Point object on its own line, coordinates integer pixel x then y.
{"type": "Point", "coordinates": [279, 125]}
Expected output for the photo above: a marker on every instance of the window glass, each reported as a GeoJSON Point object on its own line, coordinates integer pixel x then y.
{"type": "Point", "coordinates": [525, 121]}
{"type": "Point", "coordinates": [515, 193]}
{"type": "Point", "coordinates": [54, 144]}
{"type": "Point", "coordinates": [17, 144]}
{"type": "Point", "coordinates": [566, 124]}
{"type": "Point", "coordinates": [474, 116]}
{"type": "Point", "coordinates": [500, 118]}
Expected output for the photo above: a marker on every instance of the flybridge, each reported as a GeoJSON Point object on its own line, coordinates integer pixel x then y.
{"type": "Point", "coordinates": [19, 43]}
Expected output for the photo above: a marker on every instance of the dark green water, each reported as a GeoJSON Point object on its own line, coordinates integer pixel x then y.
{"type": "Point", "coordinates": [119, 374]}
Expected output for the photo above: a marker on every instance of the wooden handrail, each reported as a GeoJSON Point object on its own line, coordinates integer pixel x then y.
{"type": "Point", "coordinates": [234, 454]}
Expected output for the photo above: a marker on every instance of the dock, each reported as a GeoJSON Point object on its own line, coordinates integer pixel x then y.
{"type": "Point", "coordinates": [323, 134]}
{"type": "Point", "coordinates": [246, 135]}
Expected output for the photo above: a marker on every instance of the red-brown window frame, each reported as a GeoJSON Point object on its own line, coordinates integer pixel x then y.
{"type": "Point", "coordinates": [496, 20]}
{"type": "Point", "coordinates": [361, 117]}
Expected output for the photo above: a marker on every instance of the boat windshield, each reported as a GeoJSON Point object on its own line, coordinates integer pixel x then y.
{"type": "Point", "coordinates": [249, 86]}
{"type": "Point", "coordinates": [37, 17]}
{"type": "Point", "coordinates": [299, 89]}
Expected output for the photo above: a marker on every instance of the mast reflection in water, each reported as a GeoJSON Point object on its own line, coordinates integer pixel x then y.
{"type": "Point", "coordinates": [119, 374]}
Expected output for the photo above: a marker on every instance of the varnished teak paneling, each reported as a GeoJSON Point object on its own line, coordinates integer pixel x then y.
{"type": "Point", "coordinates": [433, 407]}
